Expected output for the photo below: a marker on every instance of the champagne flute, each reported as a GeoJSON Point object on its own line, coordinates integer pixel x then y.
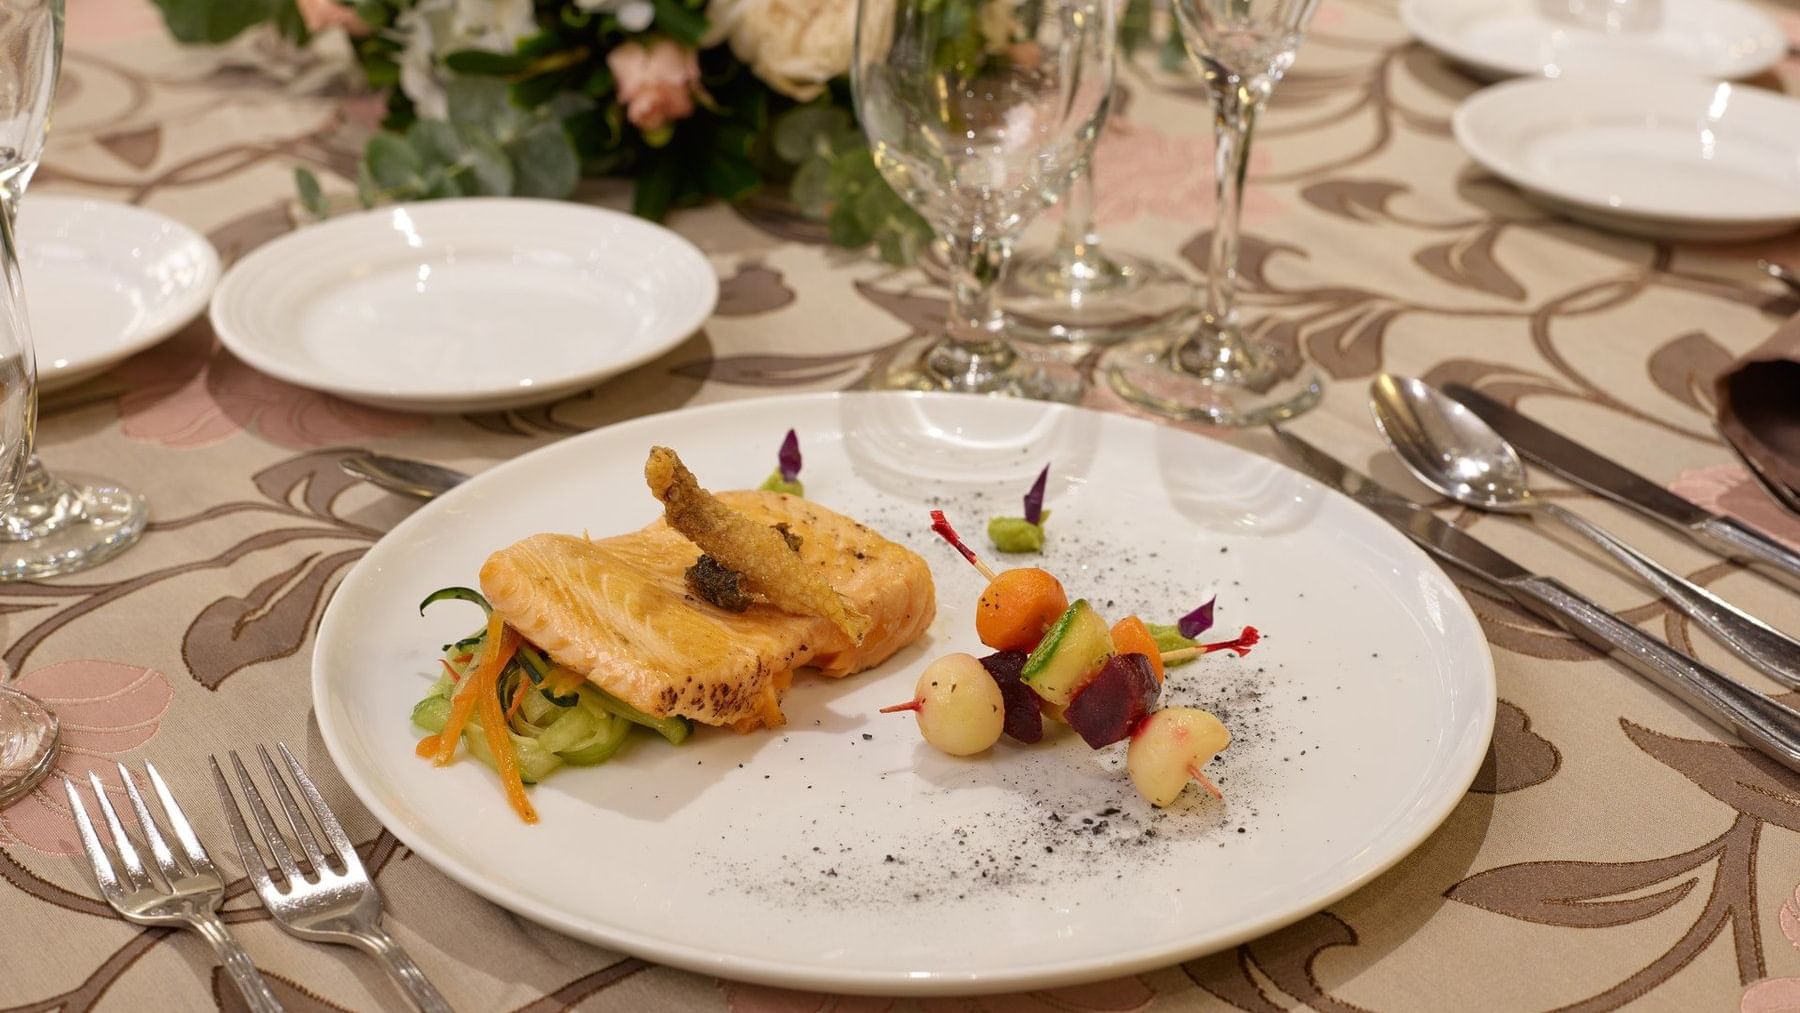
{"type": "Point", "coordinates": [52, 525]}
{"type": "Point", "coordinates": [1215, 373]}
{"type": "Point", "coordinates": [979, 113]}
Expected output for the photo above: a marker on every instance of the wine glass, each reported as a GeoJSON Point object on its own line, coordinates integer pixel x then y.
{"type": "Point", "coordinates": [52, 525]}
{"type": "Point", "coordinates": [979, 113]}
{"type": "Point", "coordinates": [28, 731]}
{"type": "Point", "coordinates": [1079, 291]}
{"type": "Point", "coordinates": [1214, 373]}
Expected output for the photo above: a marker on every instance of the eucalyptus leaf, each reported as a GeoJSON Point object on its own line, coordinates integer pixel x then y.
{"type": "Point", "coordinates": [373, 13]}
{"type": "Point", "coordinates": [485, 63]}
{"type": "Point", "coordinates": [797, 130]}
{"type": "Point", "coordinates": [676, 19]}
{"type": "Point", "coordinates": [441, 183]}
{"type": "Point", "coordinates": [489, 170]}
{"type": "Point", "coordinates": [435, 142]}
{"type": "Point", "coordinates": [544, 162]}
{"type": "Point", "coordinates": [393, 164]}
{"type": "Point", "coordinates": [312, 195]}
{"type": "Point", "coordinates": [845, 229]}
{"type": "Point", "coordinates": [289, 23]}
{"type": "Point", "coordinates": [484, 103]}
{"type": "Point", "coordinates": [810, 188]}
{"type": "Point", "coordinates": [213, 21]}
{"type": "Point", "coordinates": [898, 242]}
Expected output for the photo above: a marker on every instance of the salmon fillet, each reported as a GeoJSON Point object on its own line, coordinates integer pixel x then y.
{"type": "Point", "coordinates": [619, 610]}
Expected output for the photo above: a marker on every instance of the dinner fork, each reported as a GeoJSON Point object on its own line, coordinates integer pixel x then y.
{"type": "Point", "coordinates": [330, 906]}
{"type": "Point", "coordinates": [190, 892]}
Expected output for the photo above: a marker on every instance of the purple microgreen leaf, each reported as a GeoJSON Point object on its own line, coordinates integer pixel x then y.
{"type": "Point", "coordinates": [789, 457]}
{"type": "Point", "coordinates": [1034, 499]}
{"type": "Point", "coordinates": [1198, 621]}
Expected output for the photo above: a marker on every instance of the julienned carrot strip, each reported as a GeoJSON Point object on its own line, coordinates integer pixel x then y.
{"type": "Point", "coordinates": [518, 699]}
{"type": "Point", "coordinates": [501, 642]}
{"type": "Point", "coordinates": [506, 761]}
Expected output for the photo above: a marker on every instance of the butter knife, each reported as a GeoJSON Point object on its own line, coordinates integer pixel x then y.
{"type": "Point", "coordinates": [1620, 484]}
{"type": "Point", "coordinates": [1771, 727]}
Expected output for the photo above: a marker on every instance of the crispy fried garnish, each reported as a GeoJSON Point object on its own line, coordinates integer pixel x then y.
{"type": "Point", "coordinates": [770, 567]}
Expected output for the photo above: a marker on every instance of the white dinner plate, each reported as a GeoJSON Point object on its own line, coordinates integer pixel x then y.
{"type": "Point", "coordinates": [104, 281]}
{"type": "Point", "coordinates": [464, 305]}
{"type": "Point", "coordinates": [1667, 159]}
{"type": "Point", "coordinates": [841, 853]}
{"type": "Point", "coordinates": [1703, 39]}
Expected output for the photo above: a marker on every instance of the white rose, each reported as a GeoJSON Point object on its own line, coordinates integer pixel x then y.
{"type": "Point", "coordinates": [794, 46]}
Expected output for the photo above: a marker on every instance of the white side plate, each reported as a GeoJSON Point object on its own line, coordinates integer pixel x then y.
{"type": "Point", "coordinates": [1659, 158]}
{"type": "Point", "coordinates": [839, 852]}
{"type": "Point", "coordinates": [464, 305]}
{"type": "Point", "coordinates": [1704, 39]}
{"type": "Point", "coordinates": [104, 281]}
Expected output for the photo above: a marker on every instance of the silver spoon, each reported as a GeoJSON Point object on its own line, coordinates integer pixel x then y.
{"type": "Point", "coordinates": [405, 476]}
{"type": "Point", "coordinates": [1452, 450]}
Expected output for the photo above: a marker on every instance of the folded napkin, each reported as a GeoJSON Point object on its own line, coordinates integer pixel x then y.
{"type": "Point", "coordinates": [1758, 399]}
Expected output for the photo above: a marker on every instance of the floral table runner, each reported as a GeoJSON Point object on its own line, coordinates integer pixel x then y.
{"type": "Point", "coordinates": [1615, 849]}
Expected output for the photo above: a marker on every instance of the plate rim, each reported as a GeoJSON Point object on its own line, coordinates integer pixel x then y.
{"type": "Point", "coordinates": [1423, 28]}
{"type": "Point", "coordinates": [1463, 128]}
{"type": "Point", "coordinates": [1473, 751]}
{"type": "Point", "coordinates": [492, 397]}
{"type": "Point", "coordinates": [187, 307]}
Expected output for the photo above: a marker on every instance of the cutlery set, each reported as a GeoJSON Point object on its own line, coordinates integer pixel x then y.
{"type": "Point", "coordinates": [315, 902]}
{"type": "Point", "coordinates": [1462, 444]}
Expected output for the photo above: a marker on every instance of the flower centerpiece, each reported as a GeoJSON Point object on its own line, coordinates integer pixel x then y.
{"type": "Point", "coordinates": [689, 99]}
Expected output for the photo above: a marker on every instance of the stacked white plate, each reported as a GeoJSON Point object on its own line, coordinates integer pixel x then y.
{"type": "Point", "coordinates": [464, 305]}
{"type": "Point", "coordinates": [1667, 159]}
{"type": "Point", "coordinates": [1510, 38]}
{"type": "Point", "coordinates": [1634, 131]}
{"type": "Point", "coordinates": [104, 281]}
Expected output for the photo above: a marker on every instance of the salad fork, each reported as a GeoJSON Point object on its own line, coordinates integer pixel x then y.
{"type": "Point", "coordinates": [321, 904]}
{"type": "Point", "coordinates": [190, 891]}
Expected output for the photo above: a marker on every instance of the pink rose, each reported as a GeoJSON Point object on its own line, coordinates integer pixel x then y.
{"type": "Point", "coordinates": [320, 15]}
{"type": "Point", "coordinates": [656, 81]}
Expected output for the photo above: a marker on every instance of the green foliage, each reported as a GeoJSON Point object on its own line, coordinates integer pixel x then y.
{"type": "Point", "coordinates": [312, 196]}
{"type": "Point", "coordinates": [488, 148]}
{"type": "Point", "coordinates": [534, 121]}
{"type": "Point", "coordinates": [216, 21]}
{"type": "Point", "coordinates": [836, 181]}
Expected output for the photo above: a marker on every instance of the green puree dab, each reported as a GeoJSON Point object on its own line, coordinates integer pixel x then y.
{"type": "Point", "coordinates": [775, 483]}
{"type": "Point", "coordinates": [1169, 638]}
{"type": "Point", "coordinates": [1023, 534]}
{"type": "Point", "coordinates": [1016, 534]}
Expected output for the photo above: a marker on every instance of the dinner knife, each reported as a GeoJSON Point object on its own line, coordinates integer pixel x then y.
{"type": "Point", "coordinates": [1770, 726]}
{"type": "Point", "coordinates": [1620, 484]}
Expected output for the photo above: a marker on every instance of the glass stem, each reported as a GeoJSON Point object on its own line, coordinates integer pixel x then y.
{"type": "Point", "coordinates": [1216, 347]}
{"type": "Point", "coordinates": [976, 353]}
{"type": "Point", "coordinates": [1078, 245]}
{"type": "Point", "coordinates": [1234, 116]}
{"type": "Point", "coordinates": [25, 375]}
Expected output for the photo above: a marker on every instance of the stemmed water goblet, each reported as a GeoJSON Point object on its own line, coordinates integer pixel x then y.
{"type": "Point", "coordinates": [54, 524]}
{"type": "Point", "coordinates": [1077, 290]}
{"type": "Point", "coordinates": [28, 731]}
{"type": "Point", "coordinates": [979, 113]}
{"type": "Point", "coordinates": [47, 524]}
{"type": "Point", "coordinates": [1215, 373]}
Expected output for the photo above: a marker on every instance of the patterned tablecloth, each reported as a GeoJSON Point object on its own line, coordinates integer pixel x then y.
{"type": "Point", "coordinates": [1615, 849]}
